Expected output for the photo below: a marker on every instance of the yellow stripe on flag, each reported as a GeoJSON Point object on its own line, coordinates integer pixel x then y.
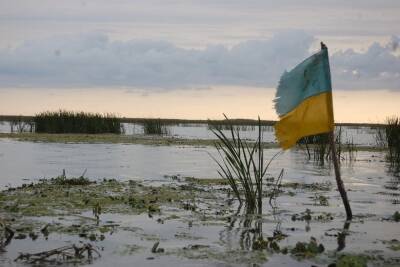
{"type": "Point", "coordinates": [313, 116]}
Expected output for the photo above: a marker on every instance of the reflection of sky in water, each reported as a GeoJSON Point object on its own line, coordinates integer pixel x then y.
{"type": "Point", "coordinates": [365, 179]}
{"type": "Point", "coordinates": [357, 135]}
{"type": "Point", "coordinates": [26, 160]}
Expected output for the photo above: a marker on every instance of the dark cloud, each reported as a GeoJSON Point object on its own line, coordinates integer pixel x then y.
{"type": "Point", "coordinates": [93, 60]}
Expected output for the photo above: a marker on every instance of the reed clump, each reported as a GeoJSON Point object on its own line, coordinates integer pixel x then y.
{"type": "Point", "coordinates": [318, 147]}
{"type": "Point", "coordinates": [20, 124]}
{"type": "Point", "coordinates": [392, 133]}
{"type": "Point", "coordinates": [63, 121]}
{"type": "Point", "coordinates": [154, 126]}
{"type": "Point", "coordinates": [243, 165]}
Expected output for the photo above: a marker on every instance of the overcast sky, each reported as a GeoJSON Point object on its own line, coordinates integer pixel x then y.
{"type": "Point", "coordinates": [167, 45]}
{"type": "Point", "coordinates": [170, 44]}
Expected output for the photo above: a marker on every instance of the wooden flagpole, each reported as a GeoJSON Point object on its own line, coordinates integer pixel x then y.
{"type": "Point", "coordinates": [339, 181]}
{"type": "Point", "coordinates": [336, 166]}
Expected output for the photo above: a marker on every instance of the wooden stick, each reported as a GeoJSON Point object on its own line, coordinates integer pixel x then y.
{"type": "Point", "coordinates": [339, 181]}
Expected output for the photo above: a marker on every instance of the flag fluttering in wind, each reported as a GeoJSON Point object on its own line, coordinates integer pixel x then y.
{"type": "Point", "coordinates": [304, 100]}
{"type": "Point", "coordinates": [304, 105]}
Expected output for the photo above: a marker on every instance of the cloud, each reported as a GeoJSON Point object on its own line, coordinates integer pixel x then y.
{"type": "Point", "coordinates": [93, 60]}
{"type": "Point", "coordinates": [378, 67]}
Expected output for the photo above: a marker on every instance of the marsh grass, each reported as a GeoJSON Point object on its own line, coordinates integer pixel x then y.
{"type": "Point", "coordinates": [243, 165]}
{"type": "Point", "coordinates": [19, 124]}
{"type": "Point", "coordinates": [63, 121]}
{"type": "Point", "coordinates": [237, 125]}
{"type": "Point", "coordinates": [155, 126]}
{"type": "Point", "coordinates": [318, 147]}
{"type": "Point", "coordinates": [392, 133]}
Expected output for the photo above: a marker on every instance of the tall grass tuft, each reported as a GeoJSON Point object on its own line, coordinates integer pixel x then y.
{"type": "Point", "coordinates": [392, 132]}
{"type": "Point", "coordinates": [21, 124]}
{"type": "Point", "coordinates": [154, 126]}
{"type": "Point", "coordinates": [63, 121]}
{"type": "Point", "coordinates": [243, 165]}
{"type": "Point", "coordinates": [319, 149]}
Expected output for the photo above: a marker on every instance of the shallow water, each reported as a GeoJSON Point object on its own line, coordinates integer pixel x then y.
{"type": "Point", "coordinates": [28, 160]}
{"type": "Point", "coordinates": [358, 135]}
{"type": "Point", "coordinates": [22, 162]}
{"type": "Point", "coordinates": [372, 189]}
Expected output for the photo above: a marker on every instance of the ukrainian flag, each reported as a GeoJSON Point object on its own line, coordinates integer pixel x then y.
{"type": "Point", "coordinates": [304, 100]}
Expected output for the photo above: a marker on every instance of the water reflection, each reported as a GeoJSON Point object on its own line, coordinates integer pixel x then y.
{"type": "Point", "coordinates": [392, 185]}
{"type": "Point", "coordinates": [341, 238]}
{"type": "Point", "coordinates": [361, 135]}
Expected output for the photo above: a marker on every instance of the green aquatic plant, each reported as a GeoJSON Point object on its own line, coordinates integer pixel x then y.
{"type": "Point", "coordinates": [63, 121]}
{"type": "Point", "coordinates": [392, 133]}
{"type": "Point", "coordinates": [97, 211]}
{"type": "Point", "coordinates": [21, 124]}
{"type": "Point", "coordinates": [396, 216]}
{"type": "Point", "coordinates": [318, 147]}
{"type": "Point", "coordinates": [352, 261]}
{"type": "Point", "coordinates": [243, 165]}
{"type": "Point", "coordinates": [307, 250]}
{"type": "Point", "coordinates": [154, 126]}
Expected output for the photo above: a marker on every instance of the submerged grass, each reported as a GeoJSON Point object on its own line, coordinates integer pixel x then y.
{"type": "Point", "coordinates": [63, 121]}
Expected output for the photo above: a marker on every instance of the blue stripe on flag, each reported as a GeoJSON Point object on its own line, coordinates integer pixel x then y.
{"type": "Point", "coordinates": [307, 79]}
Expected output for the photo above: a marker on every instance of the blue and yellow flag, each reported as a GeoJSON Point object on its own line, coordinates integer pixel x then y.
{"type": "Point", "coordinates": [304, 100]}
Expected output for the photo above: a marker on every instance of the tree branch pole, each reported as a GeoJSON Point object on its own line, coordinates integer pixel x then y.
{"type": "Point", "coordinates": [339, 181]}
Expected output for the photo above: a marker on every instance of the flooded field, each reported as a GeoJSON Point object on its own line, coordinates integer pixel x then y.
{"type": "Point", "coordinates": [359, 135]}
{"type": "Point", "coordinates": [152, 205]}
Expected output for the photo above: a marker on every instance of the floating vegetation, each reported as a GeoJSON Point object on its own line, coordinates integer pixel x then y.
{"type": "Point", "coordinates": [59, 195]}
{"type": "Point", "coordinates": [308, 215]}
{"type": "Point", "coordinates": [352, 261]}
{"type": "Point", "coordinates": [393, 244]}
{"type": "Point", "coordinates": [155, 126]}
{"type": "Point", "coordinates": [324, 186]}
{"type": "Point", "coordinates": [67, 254]}
{"type": "Point", "coordinates": [307, 250]}
{"type": "Point", "coordinates": [320, 200]}
{"type": "Point", "coordinates": [63, 121]}
{"type": "Point", "coordinates": [124, 226]}
{"type": "Point", "coordinates": [63, 180]}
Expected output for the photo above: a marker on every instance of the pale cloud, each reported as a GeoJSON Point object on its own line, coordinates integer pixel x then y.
{"type": "Point", "coordinates": [377, 67]}
{"type": "Point", "coordinates": [93, 60]}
